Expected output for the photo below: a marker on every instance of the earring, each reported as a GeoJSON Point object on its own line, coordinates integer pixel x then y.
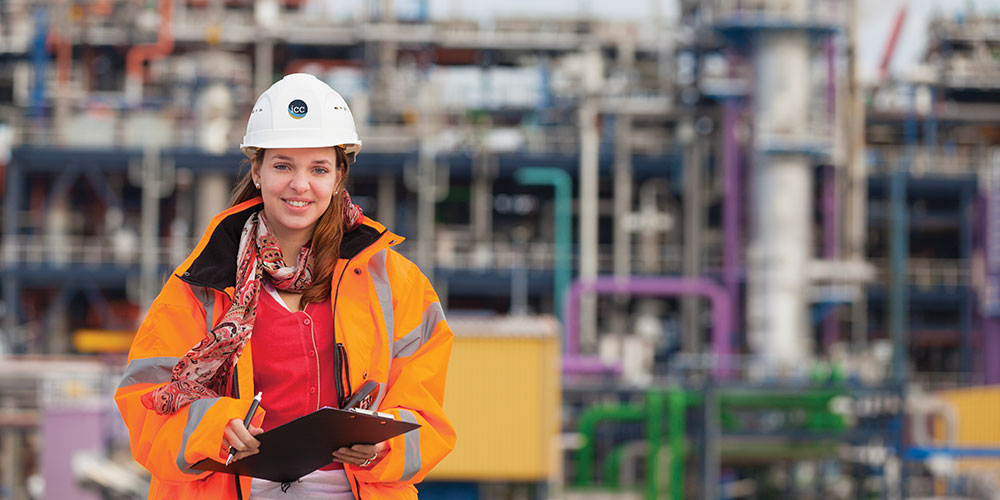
{"type": "Point", "coordinates": [257, 185]}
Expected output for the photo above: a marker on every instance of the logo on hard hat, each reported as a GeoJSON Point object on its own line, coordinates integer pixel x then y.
{"type": "Point", "coordinates": [297, 109]}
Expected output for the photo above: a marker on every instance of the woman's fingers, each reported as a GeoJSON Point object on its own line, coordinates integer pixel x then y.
{"type": "Point", "coordinates": [240, 438]}
{"type": "Point", "coordinates": [363, 455]}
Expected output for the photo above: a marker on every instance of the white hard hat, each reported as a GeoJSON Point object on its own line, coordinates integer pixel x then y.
{"type": "Point", "coordinates": [300, 111]}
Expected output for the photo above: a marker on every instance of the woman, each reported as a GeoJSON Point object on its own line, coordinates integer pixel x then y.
{"type": "Point", "coordinates": [294, 293]}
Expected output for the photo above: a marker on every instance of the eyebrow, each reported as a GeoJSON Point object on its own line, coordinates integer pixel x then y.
{"type": "Point", "coordinates": [288, 158]}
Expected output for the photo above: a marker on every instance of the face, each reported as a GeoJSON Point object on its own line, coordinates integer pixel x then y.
{"type": "Point", "coordinates": [297, 185]}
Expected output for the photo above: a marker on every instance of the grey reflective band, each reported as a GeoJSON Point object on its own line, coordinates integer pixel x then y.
{"type": "Point", "coordinates": [411, 455]}
{"type": "Point", "coordinates": [381, 394]}
{"type": "Point", "coordinates": [207, 298]}
{"type": "Point", "coordinates": [380, 279]}
{"type": "Point", "coordinates": [148, 371]}
{"type": "Point", "coordinates": [196, 412]}
{"type": "Point", "coordinates": [409, 344]}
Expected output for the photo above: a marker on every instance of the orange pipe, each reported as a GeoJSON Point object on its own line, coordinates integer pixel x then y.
{"type": "Point", "coordinates": [64, 55]}
{"type": "Point", "coordinates": [890, 48]}
{"type": "Point", "coordinates": [136, 56]}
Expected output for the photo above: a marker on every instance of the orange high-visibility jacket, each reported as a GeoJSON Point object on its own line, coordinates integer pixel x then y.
{"type": "Point", "coordinates": [385, 313]}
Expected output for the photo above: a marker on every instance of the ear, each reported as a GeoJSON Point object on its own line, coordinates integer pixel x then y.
{"type": "Point", "coordinates": [255, 171]}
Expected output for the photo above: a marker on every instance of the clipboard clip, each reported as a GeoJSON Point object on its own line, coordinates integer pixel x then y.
{"type": "Point", "coordinates": [358, 397]}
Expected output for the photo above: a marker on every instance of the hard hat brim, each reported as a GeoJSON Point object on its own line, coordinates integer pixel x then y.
{"type": "Point", "coordinates": [300, 139]}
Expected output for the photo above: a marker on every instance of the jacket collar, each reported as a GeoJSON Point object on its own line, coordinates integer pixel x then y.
{"type": "Point", "coordinates": [213, 261]}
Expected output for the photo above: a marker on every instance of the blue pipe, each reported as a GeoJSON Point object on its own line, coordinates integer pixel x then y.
{"type": "Point", "coordinates": [899, 246]}
{"type": "Point", "coordinates": [563, 184]}
{"type": "Point", "coordinates": [40, 60]}
{"type": "Point", "coordinates": [925, 452]}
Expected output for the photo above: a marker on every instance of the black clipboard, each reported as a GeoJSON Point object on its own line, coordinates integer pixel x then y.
{"type": "Point", "coordinates": [292, 450]}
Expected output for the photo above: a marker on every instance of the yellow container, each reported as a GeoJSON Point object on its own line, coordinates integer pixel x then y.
{"type": "Point", "coordinates": [503, 396]}
{"type": "Point", "coordinates": [102, 341]}
{"type": "Point", "coordinates": [978, 426]}
{"type": "Point", "coordinates": [978, 409]}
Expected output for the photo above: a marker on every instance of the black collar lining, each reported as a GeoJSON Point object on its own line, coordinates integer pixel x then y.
{"type": "Point", "coordinates": [215, 266]}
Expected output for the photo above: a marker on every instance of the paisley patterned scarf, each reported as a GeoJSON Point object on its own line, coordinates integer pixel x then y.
{"type": "Point", "coordinates": [205, 371]}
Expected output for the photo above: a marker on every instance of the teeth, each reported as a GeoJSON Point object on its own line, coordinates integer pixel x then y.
{"type": "Point", "coordinates": [297, 203]}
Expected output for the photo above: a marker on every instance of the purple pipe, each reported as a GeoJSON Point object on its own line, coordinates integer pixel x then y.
{"type": "Point", "coordinates": [991, 350]}
{"type": "Point", "coordinates": [988, 212]}
{"type": "Point", "coordinates": [722, 312]}
{"type": "Point", "coordinates": [831, 239]}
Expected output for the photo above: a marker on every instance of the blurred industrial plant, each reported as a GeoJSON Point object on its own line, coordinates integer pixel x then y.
{"type": "Point", "coordinates": [692, 255]}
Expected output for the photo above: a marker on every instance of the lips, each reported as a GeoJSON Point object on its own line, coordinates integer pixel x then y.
{"type": "Point", "coordinates": [296, 203]}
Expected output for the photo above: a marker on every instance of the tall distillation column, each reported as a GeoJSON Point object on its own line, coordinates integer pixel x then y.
{"type": "Point", "coordinates": [781, 186]}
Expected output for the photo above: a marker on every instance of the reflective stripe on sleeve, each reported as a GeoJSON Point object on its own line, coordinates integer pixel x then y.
{"type": "Point", "coordinates": [380, 279]}
{"type": "Point", "coordinates": [409, 344]}
{"type": "Point", "coordinates": [148, 371]}
{"type": "Point", "coordinates": [411, 456]}
{"type": "Point", "coordinates": [196, 412]}
{"type": "Point", "coordinates": [381, 394]}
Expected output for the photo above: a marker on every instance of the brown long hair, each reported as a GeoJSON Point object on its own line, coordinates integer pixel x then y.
{"type": "Point", "coordinates": [327, 234]}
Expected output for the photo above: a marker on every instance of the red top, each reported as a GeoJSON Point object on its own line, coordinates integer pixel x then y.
{"type": "Point", "coordinates": [293, 360]}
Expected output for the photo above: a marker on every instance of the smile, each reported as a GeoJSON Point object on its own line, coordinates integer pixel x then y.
{"type": "Point", "coordinates": [297, 204]}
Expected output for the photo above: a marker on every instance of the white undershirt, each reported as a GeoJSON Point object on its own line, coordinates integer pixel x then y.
{"type": "Point", "coordinates": [318, 485]}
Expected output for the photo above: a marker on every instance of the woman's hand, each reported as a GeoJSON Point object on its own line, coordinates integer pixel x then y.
{"type": "Point", "coordinates": [362, 455]}
{"type": "Point", "coordinates": [241, 438]}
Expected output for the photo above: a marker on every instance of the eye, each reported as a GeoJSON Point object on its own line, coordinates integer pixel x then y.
{"type": "Point", "coordinates": [280, 166]}
{"type": "Point", "coordinates": [321, 170]}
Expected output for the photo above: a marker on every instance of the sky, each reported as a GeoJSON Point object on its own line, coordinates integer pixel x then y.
{"type": "Point", "coordinates": [877, 18]}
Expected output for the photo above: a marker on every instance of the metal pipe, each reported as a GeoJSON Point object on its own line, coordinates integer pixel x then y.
{"type": "Point", "coordinates": [40, 63]}
{"type": "Point", "coordinates": [655, 401]}
{"type": "Point", "coordinates": [926, 452]}
{"type": "Point", "coordinates": [899, 247]}
{"type": "Point", "coordinates": [622, 237]}
{"type": "Point", "coordinates": [890, 47]}
{"type": "Point", "coordinates": [989, 217]}
{"type": "Point", "coordinates": [676, 406]}
{"type": "Point", "coordinates": [777, 286]}
{"type": "Point", "coordinates": [694, 226]}
{"type": "Point", "coordinates": [562, 183]}
{"type": "Point", "coordinates": [831, 242]}
{"type": "Point", "coordinates": [856, 186]}
{"type": "Point", "coordinates": [589, 197]}
{"type": "Point", "coordinates": [648, 287]}
{"type": "Point", "coordinates": [831, 200]}
{"type": "Point", "coordinates": [991, 350]}
{"type": "Point", "coordinates": [13, 186]}
{"type": "Point", "coordinates": [731, 206]}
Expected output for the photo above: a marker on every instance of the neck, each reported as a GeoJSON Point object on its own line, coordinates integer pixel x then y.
{"type": "Point", "coordinates": [291, 244]}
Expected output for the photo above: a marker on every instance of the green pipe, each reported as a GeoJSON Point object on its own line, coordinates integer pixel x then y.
{"type": "Point", "coordinates": [563, 184]}
{"type": "Point", "coordinates": [588, 427]}
{"type": "Point", "coordinates": [677, 405]}
{"type": "Point", "coordinates": [758, 399]}
{"type": "Point", "coordinates": [612, 466]}
{"type": "Point", "coordinates": [654, 437]}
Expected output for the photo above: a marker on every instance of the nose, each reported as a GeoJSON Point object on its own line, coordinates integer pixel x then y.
{"type": "Point", "coordinates": [300, 181]}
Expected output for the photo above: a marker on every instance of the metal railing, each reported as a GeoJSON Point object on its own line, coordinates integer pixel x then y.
{"type": "Point", "coordinates": [926, 160]}
{"type": "Point", "coordinates": [89, 251]}
{"type": "Point", "coordinates": [928, 274]}
{"type": "Point", "coordinates": [451, 252]}
{"type": "Point", "coordinates": [809, 12]}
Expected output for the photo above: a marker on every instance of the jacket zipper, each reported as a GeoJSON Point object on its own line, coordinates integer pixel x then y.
{"type": "Point", "coordinates": [236, 394]}
{"type": "Point", "coordinates": [337, 364]}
